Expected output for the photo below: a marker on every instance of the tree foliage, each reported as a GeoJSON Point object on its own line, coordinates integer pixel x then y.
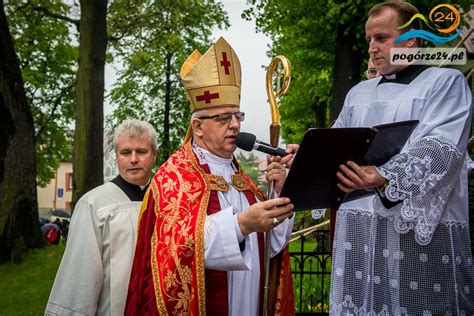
{"type": "Point", "coordinates": [305, 32]}
{"type": "Point", "coordinates": [48, 62]}
{"type": "Point", "coordinates": [18, 202]}
{"type": "Point", "coordinates": [312, 35]}
{"type": "Point", "coordinates": [250, 164]}
{"type": "Point", "coordinates": [151, 39]}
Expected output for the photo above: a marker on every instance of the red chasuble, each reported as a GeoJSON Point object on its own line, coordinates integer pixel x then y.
{"type": "Point", "coordinates": [168, 273]}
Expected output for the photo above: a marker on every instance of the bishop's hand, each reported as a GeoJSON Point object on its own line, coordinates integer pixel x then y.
{"type": "Point", "coordinates": [263, 216]}
{"type": "Point", "coordinates": [276, 171]}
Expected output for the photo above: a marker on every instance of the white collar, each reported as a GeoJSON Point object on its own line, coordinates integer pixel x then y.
{"type": "Point", "coordinates": [206, 157]}
{"type": "Point", "coordinates": [144, 186]}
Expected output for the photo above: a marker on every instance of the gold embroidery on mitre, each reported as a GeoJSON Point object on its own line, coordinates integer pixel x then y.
{"type": "Point", "coordinates": [212, 79]}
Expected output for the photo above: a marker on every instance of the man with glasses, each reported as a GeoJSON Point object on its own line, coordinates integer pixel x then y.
{"type": "Point", "coordinates": [371, 71]}
{"type": "Point", "coordinates": [200, 235]}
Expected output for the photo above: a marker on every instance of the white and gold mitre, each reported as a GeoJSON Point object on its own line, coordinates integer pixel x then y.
{"type": "Point", "coordinates": [212, 79]}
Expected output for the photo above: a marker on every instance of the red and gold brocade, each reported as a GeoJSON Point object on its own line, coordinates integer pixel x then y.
{"type": "Point", "coordinates": [168, 272]}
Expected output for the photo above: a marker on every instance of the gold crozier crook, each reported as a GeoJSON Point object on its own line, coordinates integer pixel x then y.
{"type": "Point", "coordinates": [275, 69]}
{"type": "Point", "coordinates": [274, 73]}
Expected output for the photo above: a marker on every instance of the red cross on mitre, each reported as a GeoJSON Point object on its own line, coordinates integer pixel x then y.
{"type": "Point", "coordinates": [207, 96]}
{"type": "Point", "coordinates": [225, 63]}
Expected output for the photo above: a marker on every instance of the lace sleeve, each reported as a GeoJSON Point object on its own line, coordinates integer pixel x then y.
{"type": "Point", "coordinates": [422, 178]}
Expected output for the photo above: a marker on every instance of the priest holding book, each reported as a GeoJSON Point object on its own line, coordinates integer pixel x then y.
{"type": "Point", "coordinates": [402, 246]}
{"type": "Point", "coordinates": [406, 249]}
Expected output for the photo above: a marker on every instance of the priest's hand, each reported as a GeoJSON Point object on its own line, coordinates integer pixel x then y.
{"type": "Point", "coordinates": [276, 170]}
{"type": "Point", "coordinates": [263, 216]}
{"type": "Point", "coordinates": [355, 177]}
{"type": "Point", "coordinates": [291, 149]}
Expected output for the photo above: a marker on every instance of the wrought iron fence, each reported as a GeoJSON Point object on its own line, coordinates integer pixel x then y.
{"type": "Point", "coordinates": [311, 268]}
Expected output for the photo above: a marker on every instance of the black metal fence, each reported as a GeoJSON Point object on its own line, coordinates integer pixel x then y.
{"type": "Point", "coordinates": [311, 269]}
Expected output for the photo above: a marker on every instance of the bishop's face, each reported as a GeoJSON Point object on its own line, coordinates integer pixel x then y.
{"type": "Point", "coordinates": [216, 131]}
{"type": "Point", "coordinates": [381, 32]}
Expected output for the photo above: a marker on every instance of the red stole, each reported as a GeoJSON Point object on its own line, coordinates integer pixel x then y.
{"type": "Point", "coordinates": [141, 292]}
{"type": "Point", "coordinates": [217, 296]}
{"type": "Point", "coordinates": [168, 272]}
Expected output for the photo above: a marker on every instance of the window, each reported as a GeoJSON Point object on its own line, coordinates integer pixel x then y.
{"type": "Point", "coordinates": [68, 181]}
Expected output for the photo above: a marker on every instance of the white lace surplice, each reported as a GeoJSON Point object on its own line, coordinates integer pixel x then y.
{"type": "Point", "coordinates": [413, 258]}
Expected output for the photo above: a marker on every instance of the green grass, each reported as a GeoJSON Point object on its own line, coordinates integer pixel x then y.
{"type": "Point", "coordinates": [24, 288]}
{"type": "Point", "coordinates": [315, 298]}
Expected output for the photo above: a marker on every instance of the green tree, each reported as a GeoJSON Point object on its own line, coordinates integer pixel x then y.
{"type": "Point", "coordinates": [48, 62]}
{"type": "Point", "coordinates": [18, 202]}
{"type": "Point", "coordinates": [250, 164]}
{"type": "Point", "coordinates": [308, 35]}
{"type": "Point", "coordinates": [82, 84]}
{"type": "Point", "coordinates": [325, 42]}
{"type": "Point", "coordinates": [153, 38]}
{"type": "Point", "coordinates": [52, 86]}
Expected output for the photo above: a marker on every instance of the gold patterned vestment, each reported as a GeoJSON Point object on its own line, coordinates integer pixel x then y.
{"type": "Point", "coordinates": [168, 273]}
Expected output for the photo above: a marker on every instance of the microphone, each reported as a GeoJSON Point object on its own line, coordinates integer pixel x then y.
{"type": "Point", "coordinates": [249, 142]}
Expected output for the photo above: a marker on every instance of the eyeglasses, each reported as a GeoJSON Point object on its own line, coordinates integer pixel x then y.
{"type": "Point", "coordinates": [225, 118]}
{"type": "Point", "coordinates": [371, 73]}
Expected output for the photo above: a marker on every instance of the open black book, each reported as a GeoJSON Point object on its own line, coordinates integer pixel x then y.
{"type": "Point", "coordinates": [312, 180]}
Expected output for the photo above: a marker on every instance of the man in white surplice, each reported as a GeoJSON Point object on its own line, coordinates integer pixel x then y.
{"type": "Point", "coordinates": [405, 250]}
{"type": "Point", "coordinates": [95, 269]}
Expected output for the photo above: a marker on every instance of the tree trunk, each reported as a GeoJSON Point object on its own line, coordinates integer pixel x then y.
{"type": "Point", "coordinates": [88, 161]}
{"type": "Point", "coordinates": [347, 67]}
{"type": "Point", "coordinates": [19, 228]}
{"type": "Point", "coordinates": [320, 111]}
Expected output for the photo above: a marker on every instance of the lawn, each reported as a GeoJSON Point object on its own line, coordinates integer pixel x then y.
{"type": "Point", "coordinates": [311, 276]}
{"type": "Point", "coordinates": [24, 288]}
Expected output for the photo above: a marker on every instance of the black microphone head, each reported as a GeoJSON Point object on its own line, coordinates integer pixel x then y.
{"type": "Point", "coordinates": [245, 141]}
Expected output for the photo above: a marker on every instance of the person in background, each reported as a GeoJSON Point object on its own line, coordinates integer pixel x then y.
{"type": "Point", "coordinates": [93, 276]}
{"type": "Point", "coordinates": [52, 233]}
{"type": "Point", "coordinates": [200, 242]}
{"type": "Point", "coordinates": [371, 71]}
{"type": "Point", "coordinates": [65, 228]}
